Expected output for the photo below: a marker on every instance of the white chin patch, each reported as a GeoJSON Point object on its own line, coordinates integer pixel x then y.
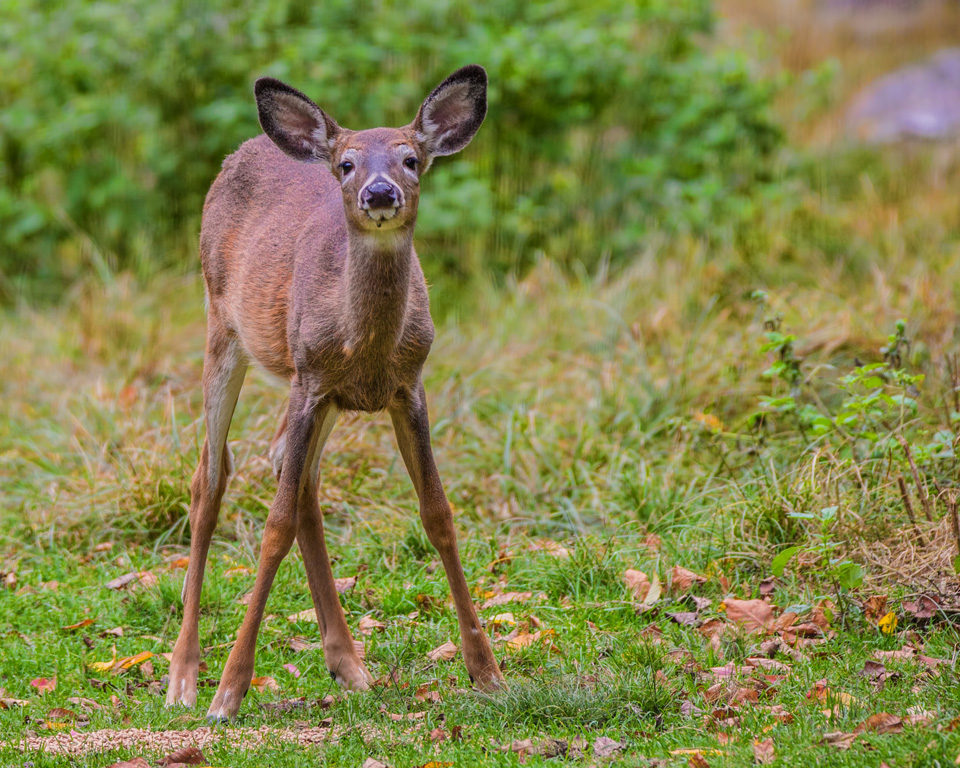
{"type": "Point", "coordinates": [381, 214]}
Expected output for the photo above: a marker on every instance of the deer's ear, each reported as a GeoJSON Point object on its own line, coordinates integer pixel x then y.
{"type": "Point", "coordinates": [293, 122]}
{"type": "Point", "coordinates": [451, 115]}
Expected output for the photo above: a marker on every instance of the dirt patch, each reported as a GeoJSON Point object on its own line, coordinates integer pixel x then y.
{"type": "Point", "coordinates": [147, 742]}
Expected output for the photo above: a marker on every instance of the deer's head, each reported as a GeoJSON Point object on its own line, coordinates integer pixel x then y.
{"type": "Point", "coordinates": [378, 169]}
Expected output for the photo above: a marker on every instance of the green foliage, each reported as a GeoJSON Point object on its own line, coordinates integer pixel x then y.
{"type": "Point", "coordinates": [607, 120]}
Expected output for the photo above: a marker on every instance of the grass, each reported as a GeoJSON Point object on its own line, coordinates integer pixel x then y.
{"type": "Point", "coordinates": [584, 425]}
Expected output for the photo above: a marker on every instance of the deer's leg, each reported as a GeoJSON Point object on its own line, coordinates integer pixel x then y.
{"type": "Point", "coordinates": [303, 431]}
{"type": "Point", "coordinates": [411, 423]}
{"type": "Point", "coordinates": [339, 652]}
{"type": "Point", "coordinates": [223, 372]}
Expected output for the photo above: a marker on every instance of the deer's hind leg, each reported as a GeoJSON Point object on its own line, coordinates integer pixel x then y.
{"type": "Point", "coordinates": [224, 367]}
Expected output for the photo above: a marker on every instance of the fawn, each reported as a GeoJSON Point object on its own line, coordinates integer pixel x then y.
{"type": "Point", "coordinates": [307, 253]}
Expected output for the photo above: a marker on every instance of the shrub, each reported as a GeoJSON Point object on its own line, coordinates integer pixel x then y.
{"type": "Point", "coordinates": [607, 120]}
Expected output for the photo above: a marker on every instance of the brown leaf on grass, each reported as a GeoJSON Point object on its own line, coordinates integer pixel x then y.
{"type": "Point", "coordinates": [114, 632]}
{"type": "Point", "coordinates": [136, 762]}
{"type": "Point", "coordinates": [307, 615]}
{"type": "Point", "coordinates": [292, 669]}
{"type": "Point", "coordinates": [240, 570]}
{"type": "Point", "coordinates": [87, 704]}
{"type": "Point", "coordinates": [44, 684]}
{"type": "Point", "coordinates": [78, 625]}
{"type": "Point", "coordinates": [907, 653]}
{"type": "Point", "coordinates": [345, 585]}
{"type": "Point", "coordinates": [523, 639]}
{"type": "Point", "coordinates": [444, 652]}
{"type": "Point", "coordinates": [751, 615]}
{"type": "Point", "coordinates": [839, 739]}
{"type": "Point", "coordinates": [245, 599]}
{"type": "Point", "coordinates": [824, 693]}
{"type": "Point", "coordinates": [427, 692]}
{"type": "Point", "coordinates": [265, 683]}
{"type": "Point", "coordinates": [371, 763]}
{"type": "Point", "coordinates": [784, 621]}
{"type": "Point", "coordinates": [548, 546]}
{"type": "Point", "coordinates": [399, 718]}
{"type": "Point", "coordinates": [179, 563]}
{"type": "Point", "coordinates": [767, 587]}
{"type": "Point", "coordinates": [297, 644]}
{"type": "Point", "coordinates": [685, 618]}
{"type": "Point", "coordinates": [133, 581]}
{"type": "Point", "coordinates": [637, 583]}
{"type": "Point", "coordinates": [6, 702]}
{"type": "Point", "coordinates": [882, 722]}
{"type": "Point", "coordinates": [437, 735]}
{"type": "Point", "coordinates": [185, 756]}
{"type": "Point", "coordinates": [698, 761]}
{"type": "Point", "coordinates": [604, 746]}
{"type": "Point", "coordinates": [778, 713]}
{"type": "Point", "coordinates": [875, 607]}
{"type": "Point", "coordinates": [368, 625]}
{"type": "Point", "coordinates": [924, 608]}
{"type": "Point", "coordinates": [771, 665]}
{"type": "Point", "coordinates": [874, 670]}
{"type": "Point", "coordinates": [506, 597]}
{"type": "Point", "coordinates": [683, 579]}
{"type": "Point", "coordinates": [931, 662]}
{"type": "Point", "coordinates": [763, 752]}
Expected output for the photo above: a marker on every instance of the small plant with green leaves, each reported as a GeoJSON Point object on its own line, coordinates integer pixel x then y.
{"type": "Point", "coordinates": [843, 574]}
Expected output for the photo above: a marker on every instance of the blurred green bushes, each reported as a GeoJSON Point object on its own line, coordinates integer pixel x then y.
{"type": "Point", "coordinates": [608, 119]}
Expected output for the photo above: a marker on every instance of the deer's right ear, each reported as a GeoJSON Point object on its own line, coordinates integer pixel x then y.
{"type": "Point", "coordinates": [293, 122]}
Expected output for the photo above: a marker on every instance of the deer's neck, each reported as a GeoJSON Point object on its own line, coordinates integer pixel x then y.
{"type": "Point", "coordinates": [376, 289]}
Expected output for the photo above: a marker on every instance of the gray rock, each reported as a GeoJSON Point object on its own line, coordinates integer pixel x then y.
{"type": "Point", "coordinates": [916, 102]}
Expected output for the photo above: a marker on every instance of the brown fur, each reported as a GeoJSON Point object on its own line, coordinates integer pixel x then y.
{"type": "Point", "coordinates": [313, 276]}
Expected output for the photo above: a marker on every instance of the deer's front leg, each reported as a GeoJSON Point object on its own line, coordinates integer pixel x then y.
{"type": "Point", "coordinates": [411, 423]}
{"type": "Point", "coordinates": [302, 436]}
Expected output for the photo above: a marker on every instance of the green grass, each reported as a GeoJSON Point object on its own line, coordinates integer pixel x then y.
{"type": "Point", "coordinates": [620, 416]}
{"type": "Point", "coordinates": [565, 411]}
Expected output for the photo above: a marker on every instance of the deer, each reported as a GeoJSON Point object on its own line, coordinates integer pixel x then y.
{"type": "Point", "coordinates": [306, 248]}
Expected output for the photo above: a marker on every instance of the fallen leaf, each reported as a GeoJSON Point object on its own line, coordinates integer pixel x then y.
{"type": "Point", "coordinates": [875, 607]}
{"type": "Point", "coordinates": [292, 670]}
{"type": "Point", "coordinates": [88, 704]}
{"type": "Point", "coordinates": [44, 684]}
{"type": "Point", "coordinates": [8, 703]}
{"type": "Point", "coordinates": [240, 570]}
{"type": "Point", "coordinates": [298, 644]}
{"type": "Point", "coordinates": [264, 684]}
{"type": "Point", "coordinates": [78, 625]}
{"type": "Point", "coordinates": [903, 654]}
{"type": "Point", "coordinates": [683, 579]}
{"type": "Point", "coordinates": [604, 746]}
{"type": "Point", "coordinates": [133, 580]}
{"type": "Point", "coordinates": [132, 661]}
{"type": "Point", "coordinates": [368, 625]}
{"type": "Point", "coordinates": [115, 632]}
{"type": "Point", "coordinates": [924, 608]}
{"type": "Point", "coordinates": [763, 752]}
{"type": "Point", "coordinates": [506, 597]}
{"type": "Point", "coordinates": [888, 623]}
{"type": "Point", "coordinates": [310, 614]}
{"type": "Point", "coordinates": [444, 652]}
{"type": "Point", "coordinates": [136, 762]}
{"type": "Point", "coordinates": [371, 763]}
{"type": "Point", "coordinates": [685, 618]}
{"type": "Point", "coordinates": [549, 547]}
{"type": "Point", "coordinates": [637, 583]}
{"type": "Point", "coordinates": [185, 756]}
{"type": "Point", "coordinates": [345, 585]}
{"type": "Point", "coordinates": [882, 722]}
{"type": "Point", "coordinates": [502, 619]}
{"type": "Point", "coordinates": [653, 594]}
{"type": "Point", "coordinates": [751, 615]}
{"type": "Point", "coordinates": [524, 639]}
{"type": "Point", "coordinates": [839, 739]}
{"type": "Point", "coordinates": [178, 565]}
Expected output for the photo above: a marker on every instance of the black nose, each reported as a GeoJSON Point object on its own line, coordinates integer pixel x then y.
{"type": "Point", "coordinates": [380, 194]}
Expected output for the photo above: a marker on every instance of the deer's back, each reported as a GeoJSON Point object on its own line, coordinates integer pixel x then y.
{"type": "Point", "coordinates": [262, 211]}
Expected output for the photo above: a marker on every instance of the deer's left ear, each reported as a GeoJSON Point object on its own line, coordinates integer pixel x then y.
{"type": "Point", "coordinates": [451, 115]}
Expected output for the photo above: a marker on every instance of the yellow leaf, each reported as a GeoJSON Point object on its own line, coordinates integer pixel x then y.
{"type": "Point", "coordinates": [132, 661]}
{"type": "Point", "coordinates": [104, 666]}
{"type": "Point", "coordinates": [888, 623]}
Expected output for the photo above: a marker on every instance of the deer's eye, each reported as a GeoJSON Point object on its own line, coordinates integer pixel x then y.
{"type": "Point", "coordinates": [411, 163]}
{"type": "Point", "coordinates": [346, 167]}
